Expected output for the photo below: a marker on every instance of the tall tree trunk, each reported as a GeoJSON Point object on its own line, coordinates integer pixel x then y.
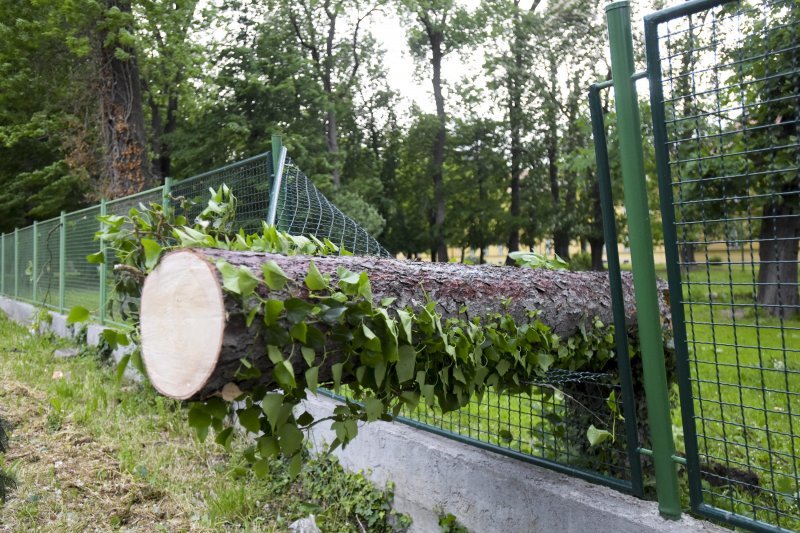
{"type": "Point", "coordinates": [778, 247]}
{"type": "Point", "coordinates": [597, 237]}
{"type": "Point", "coordinates": [127, 167]}
{"type": "Point", "coordinates": [515, 128]}
{"type": "Point", "coordinates": [688, 252]}
{"type": "Point", "coordinates": [332, 142]}
{"type": "Point", "coordinates": [439, 244]}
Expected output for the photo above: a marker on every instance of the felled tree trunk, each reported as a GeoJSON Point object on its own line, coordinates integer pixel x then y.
{"type": "Point", "coordinates": [194, 334]}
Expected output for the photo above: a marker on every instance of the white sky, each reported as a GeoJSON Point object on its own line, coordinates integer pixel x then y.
{"type": "Point", "coordinates": [390, 31]}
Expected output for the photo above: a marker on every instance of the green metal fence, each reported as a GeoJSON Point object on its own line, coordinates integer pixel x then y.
{"type": "Point", "coordinates": [726, 100]}
{"type": "Point", "coordinates": [546, 428]}
{"type": "Point", "coordinates": [724, 81]}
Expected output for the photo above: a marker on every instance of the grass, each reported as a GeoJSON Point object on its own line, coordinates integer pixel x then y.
{"type": "Point", "coordinates": [746, 390]}
{"type": "Point", "coordinates": [90, 453]}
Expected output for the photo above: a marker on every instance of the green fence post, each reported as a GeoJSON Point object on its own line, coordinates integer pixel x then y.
{"type": "Point", "coordinates": [166, 190]}
{"type": "Point", "coordinates": [35, 269]}
{"type": "Point", "coordinates": [278, 154]}
{"type": "Point", "coordinates": [3, 264]}
{"type": "Point", "coordinates": [103, 269]}
{"type": "Point", "coordinates": [62, 261]}
{"type": "Point", "coordinates": [641, 244]}
{"type": "Point", "coordinates": [16, 263]}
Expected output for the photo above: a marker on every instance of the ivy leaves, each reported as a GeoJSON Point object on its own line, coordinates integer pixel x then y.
{"type": "Point", "coordinates": [329, 326]}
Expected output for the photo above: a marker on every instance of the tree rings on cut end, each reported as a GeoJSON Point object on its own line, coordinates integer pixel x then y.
{"type": "Point", "coordinates": [183, 322]}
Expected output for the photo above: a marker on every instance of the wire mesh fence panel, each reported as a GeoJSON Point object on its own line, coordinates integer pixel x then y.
{"type": "Point", "coordinates": [81, 278]}
{"type": "Point", "coordinates": [24, 284]}
{"type": "Point", "coordinates": [8, 264]}
{"type": "Point", "coordinates": [548, 427]}
{"type": "Point", "coordinates": [122, 206]}
{"type": "Point", "coordinates": [47, 274]}
{"type": "Point", "coordinates": [730, 171]}
{"type": "Point", "coordinates": [249, 180]}
{"type": "Point", "coordinates": [304, 210]}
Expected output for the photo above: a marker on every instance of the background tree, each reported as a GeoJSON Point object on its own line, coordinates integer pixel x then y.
{"type": "Point", "coordinates": [439, 27]}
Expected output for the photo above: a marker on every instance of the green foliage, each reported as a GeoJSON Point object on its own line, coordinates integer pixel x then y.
{"type": "Point", "coordinates": [537, 260]}
{"type": "Point", "coordinates": [448, 523]}
{"type": "Point", "coordinates": [580, 261]}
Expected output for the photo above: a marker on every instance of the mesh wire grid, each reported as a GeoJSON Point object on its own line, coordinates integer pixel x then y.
{"type": "Point", "coordinates": [249, 180]}
{"type": "Point", "coordinates": [81, 278]}
{"type": "Point", "coordinates": [547, 427]}
{"type": "Point", "coordinates": [47, 262]}
{"type": "Point", "coordinates": [303, 210]}
{"type": "Point", "coordinates": [24, 284]}
{"type": "Point", "coordinates": [8, 264]}
{"type": "Point", "coordinates": [731, 86]}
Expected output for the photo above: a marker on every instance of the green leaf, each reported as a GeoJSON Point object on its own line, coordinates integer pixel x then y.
{"type": "Point", "coordinates": [380, 373]}
{"type": "Point", "coordinates": [298, 331]}
{"type": "Point", "coordinates": [374, 408]}
{"type": "Point", "coordinates": [312, 378]}
{"type": "Point", "coordinates": [271, 405]}
{"type": "Point", "coordinates": [249, 418]}
{"type": "Point", "coordinates": [597, 436]}
{"type": "Point", "coordinates": [274, 276]}
{"type": "Point", "coordinates": [506, 435]}
{"type": "Point", "coordinates": [268, 446]}
{"type": "Point", "coordinates": [272, 310]}
{"type": "Point", "coordinates": [290, 438]}
{"type": "Point", "coordinates": [96, 259]}
{"type": "Point", "coordinates": [224, 437]}
{"type": "Point", "coordinates": [261, 468]}
{"type": "Point", "coordinates": [199, 419]}
{"type": "Point", "coordinates": [297, 310]}
{"type": "Point", "coordinates": [314, 280]}
{"type": "Point", "coordinates": [110, 337]}
{"type": "Point", "coordinates": [406, 363]}
{"type": "Point", "coordinates": [217, 408]}
{"type": "Point", "coordinates": [238, 280]}
{"type": "Point", "coordinates": [122, 365]}
{"type": "Point", "coordinates": [284, 375]}
{"type": "Point", "coordinates": [405, 322]}
{"type": "Point", "coordinates": [305, 419]}
{"type": "Point", "coordinates": [77, 314]}
{"type": "Point", "coordinates": [274, 354]}
{"type": "Point", "coordinates": [336, 370]}
{"type": "Point", "coordinates": [348, 277]}
{"type": "Point", "coordinates": [295, 465]}
{"type": "Point", "coordinates": [308, 354]}
{"type": "Point", "coordinates": [152, 251]}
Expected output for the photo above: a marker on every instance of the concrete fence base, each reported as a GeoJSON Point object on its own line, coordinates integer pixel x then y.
{"type": "Point", "coordinates": [487, 492]}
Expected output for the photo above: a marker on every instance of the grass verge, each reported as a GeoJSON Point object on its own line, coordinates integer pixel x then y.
{"type": "Point", "coordinates": [90, 453]}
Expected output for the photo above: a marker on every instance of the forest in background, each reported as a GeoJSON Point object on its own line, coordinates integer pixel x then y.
{"type": "Point", "coordinates": [102, 98]}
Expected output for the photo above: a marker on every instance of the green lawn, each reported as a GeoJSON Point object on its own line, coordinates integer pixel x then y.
{"type": "Point", "coordinates": [745, 369]}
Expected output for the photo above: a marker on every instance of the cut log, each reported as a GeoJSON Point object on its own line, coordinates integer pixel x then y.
{"type": "Point", "coordinates": [194, 334]}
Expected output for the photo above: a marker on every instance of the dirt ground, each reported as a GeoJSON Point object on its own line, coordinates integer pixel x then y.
{"type": "Point", "coordinates": [68, 481]}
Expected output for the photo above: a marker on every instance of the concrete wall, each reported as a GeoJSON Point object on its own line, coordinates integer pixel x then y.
{"type": "Point", "coordinates": [487, 492]}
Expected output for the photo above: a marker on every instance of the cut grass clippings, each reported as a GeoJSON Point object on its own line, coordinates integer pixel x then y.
{"type": "Point", "coordinates": [92, 454]}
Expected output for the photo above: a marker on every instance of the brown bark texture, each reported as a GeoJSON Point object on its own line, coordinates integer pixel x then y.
{"type": "Point", "coordinates": [565, 300]}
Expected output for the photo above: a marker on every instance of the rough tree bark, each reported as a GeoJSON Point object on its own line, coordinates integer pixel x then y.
{"type": "Point", "coordinates": [127, 167]}
{"type": "Point", "coordinates": [194, 335]}
{"type": "Point", "coordinates": [777, 273]}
